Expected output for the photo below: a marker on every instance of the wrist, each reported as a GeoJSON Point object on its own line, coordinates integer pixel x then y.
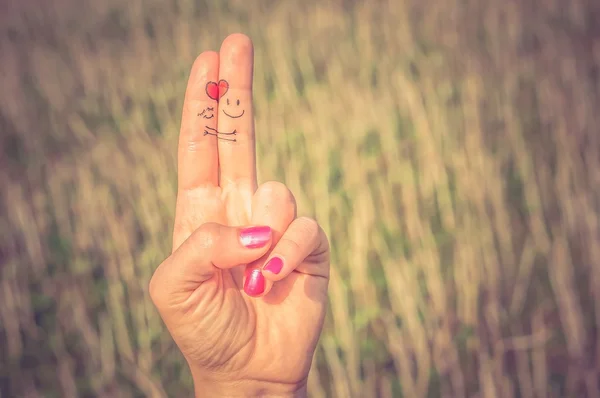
{"type": "Point", "coordinates": [248, 389]}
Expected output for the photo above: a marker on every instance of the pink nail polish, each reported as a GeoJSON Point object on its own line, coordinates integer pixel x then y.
{"type": "Point", "coordinates": [255, 237]}
{"type": "Point", "coordinates": [255, 283]}
{"type": "Point", "coordinates": [274, 265]}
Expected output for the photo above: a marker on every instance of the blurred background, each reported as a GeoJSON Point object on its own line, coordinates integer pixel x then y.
{"type": "Point", "coordinates": [449, 148]}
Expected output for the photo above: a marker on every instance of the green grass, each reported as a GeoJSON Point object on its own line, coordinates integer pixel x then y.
{"type": "Point", "coordinates": [449, 149]}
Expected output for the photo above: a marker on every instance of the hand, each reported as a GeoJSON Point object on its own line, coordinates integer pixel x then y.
{"type": "Point", "coordinates": [244, 292]}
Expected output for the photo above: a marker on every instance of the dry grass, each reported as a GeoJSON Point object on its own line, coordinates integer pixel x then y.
{"type": "Point", "coordinates": [450, 149]}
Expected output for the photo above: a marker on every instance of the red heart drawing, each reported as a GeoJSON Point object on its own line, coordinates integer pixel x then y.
{"type": "Point", "coordinates": [216, 91]}
{"type": "Point", "coordinates": [212, 90]}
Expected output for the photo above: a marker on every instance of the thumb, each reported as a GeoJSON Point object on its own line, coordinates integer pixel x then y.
{"type": "Point", "coordinates": [210, 248]}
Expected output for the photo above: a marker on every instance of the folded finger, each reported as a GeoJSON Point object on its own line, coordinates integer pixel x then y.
{"type": "Point", "coordinates": [273, 205]}
{"type": "Point", "coordinates": [303, 248]}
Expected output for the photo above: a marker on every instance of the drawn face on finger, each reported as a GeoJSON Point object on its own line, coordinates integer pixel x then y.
{"type": "Point", "coordinates": [232, 107]}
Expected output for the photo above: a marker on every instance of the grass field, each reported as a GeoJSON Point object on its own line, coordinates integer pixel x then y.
{"type": "Point", "coordinates": [449, 148]}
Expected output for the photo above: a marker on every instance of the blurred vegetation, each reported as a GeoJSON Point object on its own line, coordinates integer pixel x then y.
{"type": "Point", "coordinates": [449, 148]}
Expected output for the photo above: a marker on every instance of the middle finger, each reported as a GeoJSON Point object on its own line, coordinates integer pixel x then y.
{"type": "Point", "coordinates": [237, 155]}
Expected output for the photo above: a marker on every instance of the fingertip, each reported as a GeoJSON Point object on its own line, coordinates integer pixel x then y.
{"type": "Point", "coordinates": [273, 268]}
{"type": "Point", "coordinates": [255, 283]}
{"type": "Point", "coordinates": [237, 44]}
{"type": "Point", "coordinates": [206, 58]}
{"type": "Point", "coordinates": [236, 60]}
{"type": "Point", "coordinates": [205, 65]}
{"type": "Point", "coordinates": [204, 69]}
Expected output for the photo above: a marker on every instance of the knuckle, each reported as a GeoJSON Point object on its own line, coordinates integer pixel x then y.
{"type": "Point", "coordinates": [322, 252]}
{"type": "Point", "coordinates": [154, 286]}
{"type": "Point", "coordinates": [273, 186]}
{"type": "Point", "coordinates": [195, 140]}
{"type": "Point", "coordinates": [274, 199]}
{"type": "Point", "coordinates": [326, 244]}
{"type": "Point", "coordinates": [206, 236]}
{"type": "Point", "coordinates": [288, 245]}
{"type": "Point", "coordinates": [309, 227]}
{"type": "Point", "coordinates": [152, 289]}
{"type": "Point", "coordinates": [276, 189]}
{"type": "Point", "coordinates": [193, 145]}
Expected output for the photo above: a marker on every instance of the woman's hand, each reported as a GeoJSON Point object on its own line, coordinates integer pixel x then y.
{"type": "Point", "coordinates": [244, 292]}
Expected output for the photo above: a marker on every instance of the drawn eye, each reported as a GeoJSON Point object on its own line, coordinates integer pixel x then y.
{"type": "Point", "coordinates": [227, 101]}
{"type": "Point", "coordinates": [238, 102]}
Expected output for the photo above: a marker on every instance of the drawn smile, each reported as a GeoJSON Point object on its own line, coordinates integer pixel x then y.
{"type": "Point", "coordinates": [233, 117]}
{"type": "Point", "coordinates": [208, 117]}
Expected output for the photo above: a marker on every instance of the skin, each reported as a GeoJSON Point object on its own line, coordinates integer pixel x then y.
{"type": "Point", "coordinates": [238, 343]}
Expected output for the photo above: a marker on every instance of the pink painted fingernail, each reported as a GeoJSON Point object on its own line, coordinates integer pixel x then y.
{"type": "Point", "coordinates": [274, 265]}
{"type": "Point", "coordinates": [255, 237]}
{"type": "Point", "coordinates": [255, 283]}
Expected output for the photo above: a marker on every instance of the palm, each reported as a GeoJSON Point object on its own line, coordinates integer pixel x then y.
{"type": "Point", "coordinates": [224, 329]}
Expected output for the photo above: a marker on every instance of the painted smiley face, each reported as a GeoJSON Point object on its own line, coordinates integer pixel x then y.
{"type": "Point", "coordinates": [207, 113]}
{"type": "Point", "coordinates": [232, 109]}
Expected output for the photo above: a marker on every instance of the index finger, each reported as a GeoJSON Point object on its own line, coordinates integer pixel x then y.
{"type": "Point", "coordinates": [197, 154]}
{"type": "Point", "coordinates": [237, 156]}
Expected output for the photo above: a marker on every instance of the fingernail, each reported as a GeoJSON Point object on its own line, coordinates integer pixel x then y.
{"type": "Point", "coordinates": [255, 283]}
{"type": "Point", "coordinates": [255, 237]}
{"type": "Point", "coordinates": [274, 265]}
